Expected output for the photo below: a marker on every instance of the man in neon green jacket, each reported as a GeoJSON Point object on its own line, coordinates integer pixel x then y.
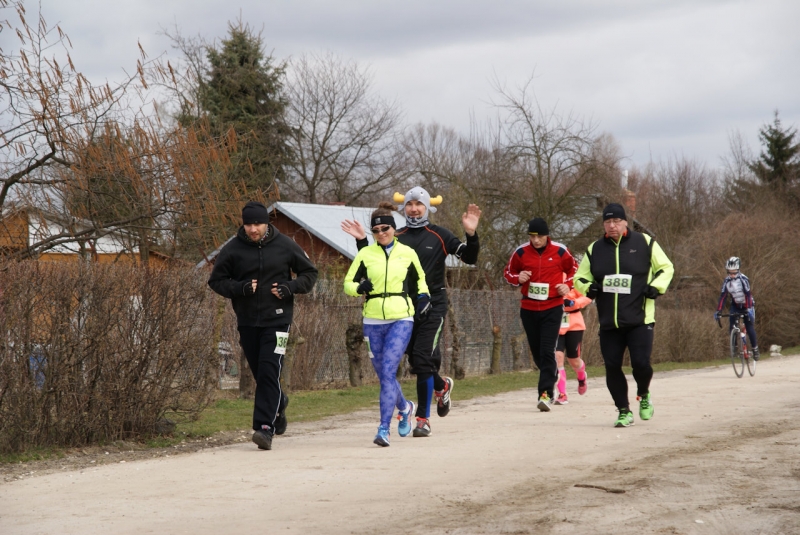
{"type": "Point", "coordinates": [625, 272]}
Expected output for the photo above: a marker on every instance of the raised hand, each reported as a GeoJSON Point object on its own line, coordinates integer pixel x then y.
{"type": "Point", "coordinates": [354, 228]}
{"type": "Point", "coordinates": [470, 219]}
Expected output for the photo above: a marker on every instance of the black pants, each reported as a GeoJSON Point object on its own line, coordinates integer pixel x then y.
{"type": "Point", "coordinates": [541, 327]}
{"type": "Point", "coordinates": [259, 344]}
{"type": "Point", "coordinates": [424, 354]}
{"type": "Point", "coordinates": [639, 341]}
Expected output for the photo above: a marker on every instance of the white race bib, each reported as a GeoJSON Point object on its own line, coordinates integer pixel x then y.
{"type": "Point", "coordinates": [565, 320]}
{"type": "Point", "coordinates": [282, 341]}
{"type": "Point", "coordinates": [369, 349]}
{"type": "Point", "coordinates": [538, 291]}
{"type": "Point", "coordinates": [617, 283]}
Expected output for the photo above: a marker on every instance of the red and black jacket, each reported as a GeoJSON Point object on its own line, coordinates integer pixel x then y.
{"type": "Point", "coordinates": [552, 265]}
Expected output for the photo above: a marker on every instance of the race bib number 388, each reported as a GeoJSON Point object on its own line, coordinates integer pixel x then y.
{"type": "Point", "coordinates": [617, 284]}
{"type": "Point", "coordinates": [282, 341]}
{"type": "Point", "coordinates": [538, 291]}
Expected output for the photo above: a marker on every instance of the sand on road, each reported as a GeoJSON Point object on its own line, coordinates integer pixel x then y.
{"type": "Point", "coordinates": [721, 455]}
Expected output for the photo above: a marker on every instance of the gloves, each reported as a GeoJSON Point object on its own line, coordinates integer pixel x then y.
{"type": "Point", "coordinates": [651, 292]}
{"type": "Point", "coordinates": [717, 315]}
{"type": "Point", "coordinates": [423, 304]}
{"type": "Point", "coordinates": [569, 303]}
{"type": "Point", "coordinates": [594, 289]}
{"type": "Point", "coordinates": [283, 290]}
{"type": "Point", "coordinates": [751, 313]}
{"type": "Point", "coordinates": [364, 287]}
{"type": "Point", "coordinates": [247, 288]}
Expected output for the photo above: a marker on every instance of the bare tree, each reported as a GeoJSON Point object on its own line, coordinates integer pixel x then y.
{"type": "Point", "coordinates": [68, 147]}
{"type": "Point", "coordinates": [343, 135]}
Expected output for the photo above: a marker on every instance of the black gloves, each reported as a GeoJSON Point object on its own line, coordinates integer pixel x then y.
{"type": "Point", "coordinates": [247, 288]}
{"type": "Point", "coordinates": [651, 292]}
{"type": "Point", "coordinates": [364, 287]}
{"type": "Point", "coordinates": [423, 304]}
{"type": "Point", "coordinates": [594, 289]}
{"type": "Point", "coordinates": [283, 290]}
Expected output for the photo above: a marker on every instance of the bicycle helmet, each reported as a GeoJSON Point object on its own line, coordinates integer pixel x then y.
{"type": "Point", "coordinates": [732, 263]}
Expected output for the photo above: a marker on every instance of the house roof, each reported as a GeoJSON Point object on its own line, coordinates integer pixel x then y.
{"type": "Point", "coordinates": [324, 222]}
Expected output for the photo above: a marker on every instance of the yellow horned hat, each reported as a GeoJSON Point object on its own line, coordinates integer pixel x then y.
{"type": "Point", "coordinates": [418, 194]}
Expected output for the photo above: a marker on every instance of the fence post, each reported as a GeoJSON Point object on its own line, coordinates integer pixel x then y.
{"type": "Point", "coordinates": [497, 350]}
{"type": "Point", "coordinates": [458, 370]}
{"type": "Point", "coordinates": [353, 340]}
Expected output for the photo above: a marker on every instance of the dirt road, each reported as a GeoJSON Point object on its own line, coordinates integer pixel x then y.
{"type": "Point", "coordinates": [721, 456]}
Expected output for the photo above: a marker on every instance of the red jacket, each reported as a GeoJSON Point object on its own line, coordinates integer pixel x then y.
{"type": "Point", "coordinates": [555, 265]}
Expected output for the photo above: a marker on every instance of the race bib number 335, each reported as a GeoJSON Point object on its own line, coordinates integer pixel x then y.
{"type": "Point", "coordinates": [617, 284]}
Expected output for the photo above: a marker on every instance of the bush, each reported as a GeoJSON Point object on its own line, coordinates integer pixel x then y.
{"type": "Point", "coordinates": [95, 353]}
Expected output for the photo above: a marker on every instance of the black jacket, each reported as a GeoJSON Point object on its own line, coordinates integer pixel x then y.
{"type": "Point", "coordinates": [274, 259]}
{"type": "Point", "coordinates": [433, 244]}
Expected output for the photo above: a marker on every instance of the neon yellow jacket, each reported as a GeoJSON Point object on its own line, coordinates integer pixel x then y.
{"type": "Point", "coordinates": [637, 255]}
{"type": "Point", "coordinates": [390, 275]}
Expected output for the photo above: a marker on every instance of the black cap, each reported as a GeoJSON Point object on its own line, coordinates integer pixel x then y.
{"type": "Point", "coordinates": [614, 211]}
{"type": "Point", "coordinates": [538, 226]}
{"type": "Point", "coordinates": [254, 213]}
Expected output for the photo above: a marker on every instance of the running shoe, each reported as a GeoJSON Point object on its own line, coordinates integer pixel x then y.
{"type": "Point", "coordinates": [625, 418]}
{"type": "Point", "coordinates": [280, 421]}
{"type": "Point", "coordinates": [382, 438]}
{"type": "Point", "coordinates": [404, 419]}
{"type": "Point", "coordinates": [561, 399]}
{"type": "Point", "coordinates": [263, 439]}
{"type": "Point", "coordinates": [443, 397]}
{"type": "Point", "coordinates": [423, 428]}
{"type": "Point", "coordinates": [645, 407]}
{"type": "Point", "coordinates": [544, 402]}
{"type": "Point", "coordinates": [582, 387]}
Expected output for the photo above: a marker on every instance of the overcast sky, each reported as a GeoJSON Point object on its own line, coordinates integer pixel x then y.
{"type": "Point", "coordinates": [665, 77]}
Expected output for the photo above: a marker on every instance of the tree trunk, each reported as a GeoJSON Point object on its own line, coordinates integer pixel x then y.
{"type": "Point", "coordinates": [497, 350]}
{"type": "Point", "coordinates": [354, 340]}
{"type": "Point", "coordinates": [288, 362]}
{"type": "Point", "coordinates": [518, 350]}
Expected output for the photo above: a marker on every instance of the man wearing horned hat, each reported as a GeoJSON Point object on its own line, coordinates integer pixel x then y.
{"type": "Point", "coordinates": [432, 244]}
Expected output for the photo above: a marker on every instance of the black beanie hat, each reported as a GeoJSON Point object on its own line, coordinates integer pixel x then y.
{"type": "Point", "coordinates": [254, 213]}
{"type": "Point", "coordinates": [538, 226]}
{"type": "Point", "coordinates": [614, 211]}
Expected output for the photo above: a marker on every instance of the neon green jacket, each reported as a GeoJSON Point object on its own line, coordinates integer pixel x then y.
{"type": "Point", "coordinates": [390, 276]}
{"type": "Point", "coordinates": [636, 255]}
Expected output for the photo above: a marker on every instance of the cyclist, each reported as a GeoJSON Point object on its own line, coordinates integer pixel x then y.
{"type": "Point", "coordinates": [737, 285]}
{"type": "Point", "coordinates": [569, 341]}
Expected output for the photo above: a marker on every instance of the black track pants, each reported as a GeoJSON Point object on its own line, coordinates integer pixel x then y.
{"type": "Point", "coordinates": [639, 341]}
{"type": "Point", "coordinates": [259, 344]}
{"type": "Point", "coordinates": [542, 328]}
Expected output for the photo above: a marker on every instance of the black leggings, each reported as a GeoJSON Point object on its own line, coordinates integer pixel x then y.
{"type": "Point", "coordinates": [259, 344]}
{"type": "Point", "coordinates": [639, 341]}
{"type": "Point", "coordinates": [541, 327]}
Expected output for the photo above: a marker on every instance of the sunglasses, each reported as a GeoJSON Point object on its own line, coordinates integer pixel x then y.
{"type": "Point", "coordinates": [380, 230]}
{"type": "Point", "coordinates": [733, 273]}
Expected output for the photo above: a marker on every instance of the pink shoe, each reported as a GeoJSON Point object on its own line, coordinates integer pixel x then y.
{"type": "Point", "coordinates": [582, 387]}
{"type": "Point", "coordinates": [561, 399]}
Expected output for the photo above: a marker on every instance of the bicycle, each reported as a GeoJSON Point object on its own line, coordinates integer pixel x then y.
{"type": "Point", "coordinates": [740, 350]}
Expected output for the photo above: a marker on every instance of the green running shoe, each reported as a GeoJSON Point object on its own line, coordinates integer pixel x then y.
{"type": "Point", "coordinates": [625, 418]}
{"type": "Point", "coordinates": [645, 407]}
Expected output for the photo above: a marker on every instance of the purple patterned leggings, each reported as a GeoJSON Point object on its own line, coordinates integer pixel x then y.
{"type": "Point", "coordinates": [387, 343]}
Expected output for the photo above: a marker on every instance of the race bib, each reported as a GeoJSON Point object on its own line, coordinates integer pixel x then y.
{"type": "Point", "coordinates": [282, 341]}
{"type": "Point", "coordinates": [369, 349]}
{"type": "Point", "coordinates": [617, 284]}
{"type": "Point", "coordinates": [538, 291]}
{"type": "Point", "coordinates": [565, 320]}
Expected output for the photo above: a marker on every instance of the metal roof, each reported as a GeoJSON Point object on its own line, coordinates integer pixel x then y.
{"type": "Point", "coordinates": [324, 221]}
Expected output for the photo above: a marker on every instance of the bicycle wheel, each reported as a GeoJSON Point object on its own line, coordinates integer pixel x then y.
{"type": "Point", "coordinates": [748, 357]}
{"type": "Point", "coordinates": [737, 358]}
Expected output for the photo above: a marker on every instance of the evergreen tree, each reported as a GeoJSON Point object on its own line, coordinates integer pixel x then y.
{"type": "Point", "coordinates": [242, 90]}
{"type": "Point", "coordinates": [778, 166]}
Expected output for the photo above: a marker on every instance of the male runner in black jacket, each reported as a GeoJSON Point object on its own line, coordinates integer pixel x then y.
{"type": "Point", "coordinates": [254, 270]}
{"type": "Point", "coordinates": [432, 244]}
